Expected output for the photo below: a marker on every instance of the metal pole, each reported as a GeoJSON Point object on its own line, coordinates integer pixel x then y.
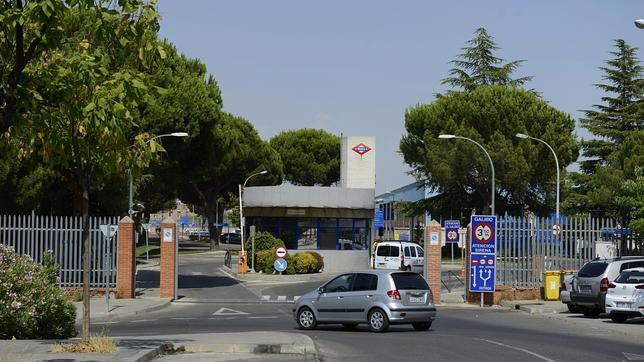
{"type": "Point", "coordinates": [147, 245]}
{"type": "Point", "coordinates": [130, 204]}
{"type": "Point", "coordinates": [241, 217]}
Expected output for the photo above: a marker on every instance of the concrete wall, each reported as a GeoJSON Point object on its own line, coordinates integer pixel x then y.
{"type": "Point", "coordinates": [356, 170]}
{"type": "Point", "coordinates": [339, 261]}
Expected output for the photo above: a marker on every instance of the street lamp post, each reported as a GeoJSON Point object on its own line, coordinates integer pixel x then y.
{"type": "Point", "coordinates": [450, 136]}
{"type": "Point", "coordinates": [241, 206]}
{"type": "Point", "coordinates": [639, 23]}
{"type": "Point", "coordinates": [130, 211]}
{"type": "Point", "coordinates": [525, 136]}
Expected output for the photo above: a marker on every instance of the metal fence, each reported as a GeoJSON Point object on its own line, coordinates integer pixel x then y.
{"type": "Point", "coordinates": [34, 235]}
{"type": "Point", "coordinates": [527, 247]}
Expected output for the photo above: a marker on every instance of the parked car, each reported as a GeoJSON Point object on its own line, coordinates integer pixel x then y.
{"type": "Point", "coordinates": [375, 297]}
{"type": "Point", "coordinates": [230, 238]}
{"type": "Point", "coordinates": [198, 234]}
{"type": "Point", "coordinates": [591, 282]}
{"type": "Point", "coordinates": [399, 255]}
{"type": "Point", "coordinates": [625, 296]}
{"type": "Point", "coordinates": [564, 293]}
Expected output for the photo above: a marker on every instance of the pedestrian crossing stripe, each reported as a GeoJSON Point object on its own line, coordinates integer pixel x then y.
{"type": "Point", "coordinates": [228, 311]}
{"type": "Point", "coordinates": [279, 298]}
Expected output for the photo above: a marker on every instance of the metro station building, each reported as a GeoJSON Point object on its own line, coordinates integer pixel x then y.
{"type": "Point", "coordinates": [322, 218]}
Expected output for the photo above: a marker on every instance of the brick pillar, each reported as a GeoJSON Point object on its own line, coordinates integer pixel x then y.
{"type": "Point", "coordinates": [125, 260]}
{"type": "Point", "coordinates": [168, 258]}
{"type": "Point", "coordinates": [433, 258]}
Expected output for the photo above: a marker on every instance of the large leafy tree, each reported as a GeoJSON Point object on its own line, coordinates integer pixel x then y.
{"type": "Point", "coordinates": [614, 156]}
{"type": "Point", "coordinates": [478, 65]}
{"type": "Point", "coordinates": [81, 111]}
{"type": "Point", "coordinates": [310, 156]}
{"type": "Point", "coordinates": [491, 115]}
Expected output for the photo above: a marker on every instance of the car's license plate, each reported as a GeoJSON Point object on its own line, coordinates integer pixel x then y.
{"type": "Point", "coordinates": [622, 304]}
{"type": "Point", "coordinates": [416, 300]}
{"type": "Point", "coordinates": [585, 288]}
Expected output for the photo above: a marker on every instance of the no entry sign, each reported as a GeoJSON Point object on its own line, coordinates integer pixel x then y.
{"type": "Point", "coordinates": [281, 252]}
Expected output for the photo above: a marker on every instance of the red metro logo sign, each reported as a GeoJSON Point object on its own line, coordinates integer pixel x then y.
{"type": "Point", "coordinates": [361, 149]}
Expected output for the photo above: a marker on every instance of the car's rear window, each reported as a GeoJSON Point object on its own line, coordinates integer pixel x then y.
{"type": "Point", "coordinates": [633, 277]}
{"type": "Point", "coordinates": [388, 250]}
{"type": "Point", "coordinates": [404, 281]}
{"type": "Point", "coordinates": [592, 269]}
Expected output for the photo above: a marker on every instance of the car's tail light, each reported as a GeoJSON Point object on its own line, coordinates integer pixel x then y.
{"type": "Point", "coordinates": [394, 294]}
{"type": "Point", "coordinates": [603, 285]}
{"type": "Point", "coordinates": [611, 286]}
{"type": "Point", "coordinates": [431, 297]}
{"type": "Point", "coordinates": [641, 286]}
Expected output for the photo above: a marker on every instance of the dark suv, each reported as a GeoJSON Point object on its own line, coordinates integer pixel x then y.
{"type": "Point", "coordinates": [590, 285]}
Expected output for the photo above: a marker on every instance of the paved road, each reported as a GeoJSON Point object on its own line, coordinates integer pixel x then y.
{"type": "Point", "coordinates": [459, 334]}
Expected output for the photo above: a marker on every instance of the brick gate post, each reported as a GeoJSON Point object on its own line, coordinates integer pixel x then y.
{"type": "Point", "coordinates": [168, 281]}
{"type": "Point", "coordinates": [433, 258]}
{"type": "Point", "coordinates": [125, 260]}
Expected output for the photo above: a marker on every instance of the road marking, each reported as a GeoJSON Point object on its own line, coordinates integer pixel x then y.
{"type": "Point", "coordinates": [264, 317]}
{"type": "Point", "coordinates": [183, 318]}
{"type": "Point", "coordinates": [197, 273]}
{"type": "Point", "coordinates": [295, 298]}
{"type": "Point", "coordinates": [104, 322]}
{"type": "Point", "coordinates": [142, 320]}
{"type": "Point", "coordinates": [633, 356]}
{"type": "Point", "coordinates": [266, 297]}
{"type": "Point", "coordinates": [518, 349]}
{"type": "Point", "coordinates": [225, 318]}
{"type": "Point", "coordinates": [281, 298]}
{"type": "Point", "coordinates": [228, 311]}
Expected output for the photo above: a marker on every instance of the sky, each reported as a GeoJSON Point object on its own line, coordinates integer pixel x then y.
{"type": "Point", "coordinates": [354, 67]}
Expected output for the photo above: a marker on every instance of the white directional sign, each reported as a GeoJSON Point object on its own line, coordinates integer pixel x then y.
{"type": "Point", "coordinates": [556, 230]}
{"type": "Point", "coordinates": [483, 254]}
{"type": "Point", "coordinates": [167, 235]}
{"type": "Point", "coordinates": [228, 311]}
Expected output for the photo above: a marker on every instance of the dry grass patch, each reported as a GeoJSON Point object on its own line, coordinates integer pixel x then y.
{"type": "Point", "coordinates": [97, 344]}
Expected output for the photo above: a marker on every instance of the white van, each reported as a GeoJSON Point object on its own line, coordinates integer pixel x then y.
{"type": "Point", "coordinates": [392, 254]}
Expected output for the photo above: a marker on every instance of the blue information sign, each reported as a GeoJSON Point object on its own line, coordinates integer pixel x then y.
{"type": "Point", "coordinates": [451, 231]}
{"type": "Point", "coordinates": [483, 254]}
{"type": "Point", "coordinates": [280, 264]}
{"type": "Point", "coordinates": [379, 219]}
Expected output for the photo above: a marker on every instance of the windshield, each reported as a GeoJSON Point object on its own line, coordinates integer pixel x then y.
{"type": "Point", "coordinates": [406, 281]}
{"type": "Point", "coordinates": [592, 269]}
{"type": "Point", "coordinates": [633, 277]}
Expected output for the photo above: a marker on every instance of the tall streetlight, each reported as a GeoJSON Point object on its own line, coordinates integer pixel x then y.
{"type": "Point", "coordinates": [130, 211]}
{"type": "Point", "coordinates": [241, 206]}
{"type": "Point", "coordinates": [525, 136]}
{"type": "Point", "coordinates": [639, 23]}
{"type": "Point", "coordinates": [450, 136]}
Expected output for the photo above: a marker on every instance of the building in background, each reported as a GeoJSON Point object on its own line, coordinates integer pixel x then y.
{"type": "Point", "coordinates": [322, 218]}
{"type": "Point", "coordinates": [398, 226]}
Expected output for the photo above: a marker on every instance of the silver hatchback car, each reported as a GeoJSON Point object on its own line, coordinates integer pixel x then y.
{"type": "Point", "coordinates": [375, 297]}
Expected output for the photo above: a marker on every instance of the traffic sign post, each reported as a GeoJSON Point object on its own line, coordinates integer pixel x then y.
{"type": "Point", "coordinates": [280, 265]}
{"type": "Point", "coordinates": [483, 255]}
{"type": "Point", "coordinates": [451, 233]}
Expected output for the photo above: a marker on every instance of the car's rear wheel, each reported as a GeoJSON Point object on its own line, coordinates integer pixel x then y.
{"type": "Point", "coordinates": [572, 308]}
{"type": "Point", "coordinates": [349, 325]}
{"type": "Point", "coordinates": [422, 326]}
{"type": "Point", "coordinates": [378, 320]}
{"type": "Point", "coordinates": [306, 319]}
{"type": "Point", "coordinates": [618, 318]}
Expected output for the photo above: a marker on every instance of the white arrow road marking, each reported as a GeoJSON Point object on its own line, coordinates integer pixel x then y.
{"type": "Point", "coordinates": [228, 311]}
{"type": "Point", "coordinates": [633, 356]}
{"type": "Point", "coordinates": [518, 349]}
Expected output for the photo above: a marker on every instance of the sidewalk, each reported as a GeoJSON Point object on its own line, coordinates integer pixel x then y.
{"type": "Point", "coordinates": [147, 348]}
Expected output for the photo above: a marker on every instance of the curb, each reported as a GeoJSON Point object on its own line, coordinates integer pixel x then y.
{"type": "Point", "coordinates": [144, 355]}
{"type": "Point", "coordinates": [307, 347]}
{"type": "Point", "coordinates": [163, 304]}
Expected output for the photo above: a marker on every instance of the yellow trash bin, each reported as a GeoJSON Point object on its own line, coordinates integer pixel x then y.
{"type": "Point", "coordinates": [552, 280]}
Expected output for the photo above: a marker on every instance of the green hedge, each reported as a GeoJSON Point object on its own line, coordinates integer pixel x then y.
{"type": "Point", "coordinates": [301, 263]}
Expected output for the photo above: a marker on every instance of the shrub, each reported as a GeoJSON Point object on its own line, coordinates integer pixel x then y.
{"type": "Point", "coordinates": [31, 303]}
{"type": "Point", "coordinates": [263, 241]}
{"type": "Point", "coordinates": [307, 262]}
{"type": "Point", "coordinates": [264, 261]}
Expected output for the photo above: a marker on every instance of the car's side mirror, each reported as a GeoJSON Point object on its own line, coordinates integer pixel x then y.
{"type": "Point", "coordinates": [321, 290]}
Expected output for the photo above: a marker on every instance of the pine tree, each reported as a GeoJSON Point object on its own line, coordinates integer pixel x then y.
{"type": "Point", "coordinates": [620, 114]}
{"type": "Point", "coordinates": [477, 65]}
